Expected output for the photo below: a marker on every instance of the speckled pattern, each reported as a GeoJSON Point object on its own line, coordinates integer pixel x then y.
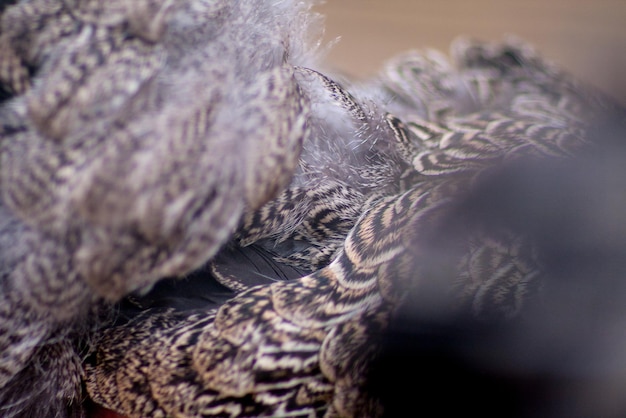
{"type": "Point", "coordinates": [163, 142]}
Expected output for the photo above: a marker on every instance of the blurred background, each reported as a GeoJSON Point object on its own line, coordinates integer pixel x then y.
{"type": "Point", "coordinates": [588, 38]}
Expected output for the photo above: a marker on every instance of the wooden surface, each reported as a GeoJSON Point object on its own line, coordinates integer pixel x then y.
{"type": "Point", "coordinates": [587, 37]}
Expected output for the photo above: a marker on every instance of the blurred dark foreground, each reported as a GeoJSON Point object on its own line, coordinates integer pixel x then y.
{"type": "Point", "coordinates": [565, 357]}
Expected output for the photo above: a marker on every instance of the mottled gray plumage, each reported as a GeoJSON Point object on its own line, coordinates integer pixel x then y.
{"type": "Point", "coordinates": [122, 145]}
{"type": "Point", "coordinates": [153, 139]}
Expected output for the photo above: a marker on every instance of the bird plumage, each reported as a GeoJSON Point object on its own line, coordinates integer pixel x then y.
{"type": "Point", "coordinates": [109, 105]}
{"type": "Point", "coordinates": [295, 212]}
